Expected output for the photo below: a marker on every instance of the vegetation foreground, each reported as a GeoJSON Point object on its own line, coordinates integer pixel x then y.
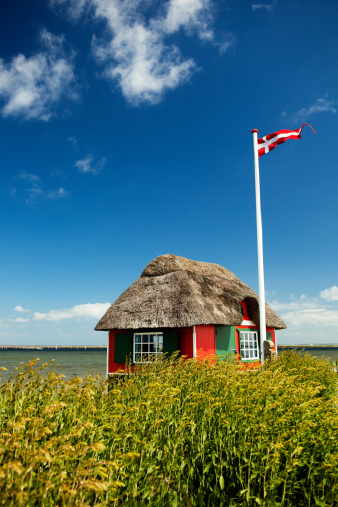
{"type": "Point", "coordinates": [186, 433]}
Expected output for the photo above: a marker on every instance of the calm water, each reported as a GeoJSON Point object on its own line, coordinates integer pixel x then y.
{"type": "Point", "coordinates": [71, 363]}
{"type": "Point", "coordinates": [327, 352]}
{"type": "Point", "coordinates": [79, 363]}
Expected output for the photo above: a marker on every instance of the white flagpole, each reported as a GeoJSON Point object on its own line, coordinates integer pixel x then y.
{"type": "Point", "coordinates": [260, 250]}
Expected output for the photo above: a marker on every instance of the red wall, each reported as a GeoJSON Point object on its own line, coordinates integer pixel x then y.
{"type": "Point", "coordinates": [205, 343]}
{"type": "Point", "coordinates": [273, 336]}
{"type": "Point", "coordinates": [205, 340]}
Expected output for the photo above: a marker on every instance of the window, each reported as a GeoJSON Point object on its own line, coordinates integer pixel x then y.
{"type": "Point", "coordinates": [147, 346]}
{"type": "Point", "coordinates": [249, 345]}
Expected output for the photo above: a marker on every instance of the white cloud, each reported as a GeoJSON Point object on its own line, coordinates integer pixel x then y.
{"type": "Point", "coordinates": [20, 319]}
{"type": "Point", "coordinates": [95, 310]}
{"type": "Point", "coordinates": [229, 42]}
{"type": "Point", "coordinates": [36, 190]}
{"type": "Point", "coordinates": [330, 294]}
{"type": "Point", "coordinates": [33, 178]}
{"type": "Point", "coordinates": [295, 305]}
{"type": "Point", "coordinates": [268, 7]}
{"type": "Point", "coordinates": [138, 52]}
{"type": "Point", "coordinates": [322, 105]}
{"type": "Point", "coordinates": [30, 87]}
{"type": "Point", "coordinates": [318, 317]}
{"type": "Point", "coordinates": [19, 308]}
{"type": "Point", "coordinates": [73, 8]}
{"type": "Point", "coordinates": [87, 165]}
{"type": "Point", "coordinates": [60, 193]}
{"type": "Point", "coordinates": [192, 15]}
{"type": "Point", "coordinates": [310, 319]}
{"type": "Point", "coordinates": [72, 140]}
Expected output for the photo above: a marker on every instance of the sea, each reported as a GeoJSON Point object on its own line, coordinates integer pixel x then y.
{"type": "Point", "coordinates": [82, 362]}
{"type": "Point", "coordinates": [71, 362]}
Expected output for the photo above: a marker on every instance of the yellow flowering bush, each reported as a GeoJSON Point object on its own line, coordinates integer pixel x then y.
{"type": "Point", "coordinates": [176, 433]}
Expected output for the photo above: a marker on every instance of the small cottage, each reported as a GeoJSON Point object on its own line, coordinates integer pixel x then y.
{"type": "Point", "coordinates": [194, 307]}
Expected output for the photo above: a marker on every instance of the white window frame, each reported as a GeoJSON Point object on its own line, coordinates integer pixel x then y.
{"type": "Point", "coordinates": [136, 345]}
{"type": "Point", "coordinates": [246, 340]}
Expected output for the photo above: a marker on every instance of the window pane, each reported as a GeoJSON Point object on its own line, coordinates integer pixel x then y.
{"type": "Point", "coordinates": [147, 346]}
{"type": "Point", "coordinates": [249, 344]}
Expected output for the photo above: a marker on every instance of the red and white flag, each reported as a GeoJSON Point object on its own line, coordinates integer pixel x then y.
{"type": "Point", "coordinates": [269, 142]}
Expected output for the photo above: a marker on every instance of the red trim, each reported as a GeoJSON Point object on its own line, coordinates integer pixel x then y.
{"type": "Point", "coordinates": [111, 365]}
{"type": "Point", "coordinates": [245, 310]}
{"type": "Point", "coordinates": [254, 328]}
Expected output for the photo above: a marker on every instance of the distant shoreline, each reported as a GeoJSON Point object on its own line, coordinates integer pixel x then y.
{"type": "Point", "coordinates": [312, 346]}
{"type": "Point", "coordinates": [53, 347]}
{"type": "Point", "coordinates": [104, 347]}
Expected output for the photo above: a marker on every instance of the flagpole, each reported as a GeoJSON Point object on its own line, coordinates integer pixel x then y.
{"type": "Point", "coordinates": [260, 250]}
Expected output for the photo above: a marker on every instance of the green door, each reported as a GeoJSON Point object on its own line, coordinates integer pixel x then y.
{"type": "Point", "coordinates": [170, 342]}
{"type": "Point", "coordinates": [225, 340]}
{"type": "Point", "coordinates": [123, 347]}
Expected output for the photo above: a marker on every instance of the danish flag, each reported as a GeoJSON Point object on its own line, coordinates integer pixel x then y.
{"type": "Point", "coordinates": [269, 142]}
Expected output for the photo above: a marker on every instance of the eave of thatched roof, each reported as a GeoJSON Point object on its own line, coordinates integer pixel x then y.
{"type": "Point", "coordinates": [175, 292]}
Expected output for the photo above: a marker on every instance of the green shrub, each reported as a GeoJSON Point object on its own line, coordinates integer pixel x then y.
{"type": "Point", "coordinates": [178, 432]}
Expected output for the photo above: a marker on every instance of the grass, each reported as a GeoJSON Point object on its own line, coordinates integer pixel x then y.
{"type": "Point", "coordinates": [177, 433]}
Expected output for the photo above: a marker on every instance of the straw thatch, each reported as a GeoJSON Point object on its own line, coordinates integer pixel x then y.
{"type": "Point", "coordinates": [177, 292]}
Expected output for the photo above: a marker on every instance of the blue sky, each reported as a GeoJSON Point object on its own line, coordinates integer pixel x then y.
{"type": "Point", "coordinates": [126, 134]}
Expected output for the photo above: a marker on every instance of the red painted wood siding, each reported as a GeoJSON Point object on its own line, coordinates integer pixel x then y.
{"type": "Point", "coordinates": [273, 336]}
{"type": "Point", "coordinates": [111, 365]}
{"type": "Point", "coordinates": [205, 340]}
{"type": "Point", "coordinates": [185, 344]}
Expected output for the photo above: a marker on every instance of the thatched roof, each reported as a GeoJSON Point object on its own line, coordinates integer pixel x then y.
{"type": "Point", "coordinates": [176, 292]}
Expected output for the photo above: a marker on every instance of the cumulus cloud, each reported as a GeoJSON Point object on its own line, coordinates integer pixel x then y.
{"type": "Point", "coordinates": [31, 86]}
{"type": "Point", "coordinates": [192, 15]}
{"type": "Point", "coordinates": [87, 165]}
{"type": "Point", "coordinates": [268, 7]}
{"type": "Point", "coordinates": [316, 317]}
{"type": "Point", "coordinates": [87, 311]}
{"type": "Point", "coordinates": [322, 105]}
{"type": "Point", "coordinates": [330, 294]}
{"type": "Point", "coordinates": [138, 52]}
{"type": "Point", "coordinates": [20, 309]}
{"type": "Point", "coordinates": [311, 312]}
